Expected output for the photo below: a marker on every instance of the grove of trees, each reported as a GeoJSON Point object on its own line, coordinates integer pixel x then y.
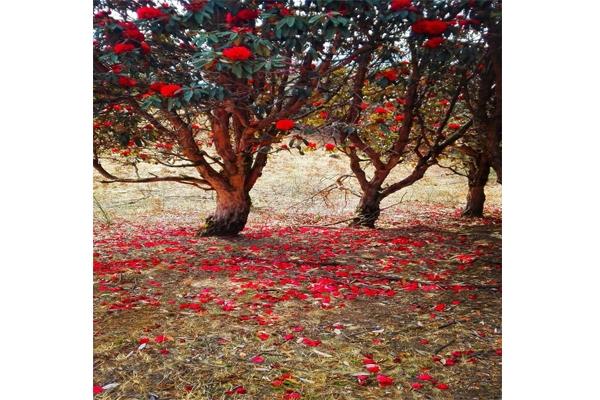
{"type": "Point", "coordinates": [216, 84]}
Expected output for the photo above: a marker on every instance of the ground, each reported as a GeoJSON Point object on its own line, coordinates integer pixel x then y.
{"type": "Point", "coordinates": [295, 307]}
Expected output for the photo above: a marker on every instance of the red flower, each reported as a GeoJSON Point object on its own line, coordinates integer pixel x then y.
{"type": "Point", "coordinates": [148, 13]}
{"type": "Point", "coordinates": [362, 379]}
{"type": "Point", "coordinates": [123, 48]}
{"type": "Point", "coordinates": [291, 395]}
{"type": "Point", "coordinates": [390, 74]}
{"type": "Point", "coordinates": [372, 368]}
{"type": "Point", "coordinates": [329, 146]}
{"type": "Point", "coordinates": [380, 110]}
{"type": "Point", "coordinates": [441, 386]}
{"type": "Point", "coordinates": [440, 307]}
{"type": "Point", "coordinates": [424, 377]}
{"type": "Point", "coordinates": [310, 342]}
{"type": "Point", "coordinates": [196, 5]}
{"type": "Point", "coordinates": [311, 145]}
{"type": "Point", "coordinates": [169, 90]}
{"type": "Point", "coordinates": [454, 126]}
{"type": "Point", "coordinates": [323, 115]}
{"type": "Point", "coordinates": [364, 106]}
{"type": "Point", "coordinates": [284, 124]}
{"type": "Point", "coordinates": [433, 42]}
{"type": "Point", "coordinates": [237, 53]}
{"type": "Point", "coordinates": [416, 385]}
{"type": "Point", "coordinates": [143, 340]}
{"type": "Point", "coordinates": [98, 389]}
{"type": "Point", "coordinates": [246, 14]}
{"type": "Point", "coordinates": [237, 390]}
{"type": "Point", "coordinates": [257, 359]}
{"type": "Point", "coordinates": [126, 81]}
{"type": "Point", "coordinates": [399, 118]}
{"type": "Point", "coordinates": [400, 4]}
{"type": "Point", "coordinates": [117, 68]}
{"type": "Point", "coordinates": [430, 27]}
{"type": "Point", "coordinates": [160, 339]}
{"type": "Point", "coordinates": [133, 33]}
{"type": "Point", "coordinates": [156, 86]}
{"type": "Point", "coordinates": [263, 336]}
{"type": "Point", "coordinates": [385, 380]}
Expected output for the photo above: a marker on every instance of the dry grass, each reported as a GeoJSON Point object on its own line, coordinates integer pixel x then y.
{"type": "Point", "coordinates": [291, 182]}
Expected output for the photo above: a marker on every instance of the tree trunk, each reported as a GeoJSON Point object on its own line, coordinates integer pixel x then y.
{"type": "Point", "coordinates": [230, 216]}
{"type": "Point", "coordinates": [368, 210]}
{"type": "Point", "coordinates": [478, 177]}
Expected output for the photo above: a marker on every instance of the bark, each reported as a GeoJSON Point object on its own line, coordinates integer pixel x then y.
{"type": "Point", "coordinates": [478, 177]}
{"type": "Point", "coordinates": [368, 210]}
{"type": "Point", "coordinates": [231, 214]}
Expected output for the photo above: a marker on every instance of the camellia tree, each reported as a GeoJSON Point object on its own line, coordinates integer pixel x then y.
{"type": "Point", "coordinates": [479, 151]}
{"type": "Point", "coordinates": [209, 86]}
{"type": "Point", "coordinates": [404, 103]}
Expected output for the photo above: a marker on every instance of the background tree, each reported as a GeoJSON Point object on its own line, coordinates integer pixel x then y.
{"type": "Point", "coordinates": [211, 85]}
{"type": "Point", "coordinates": [403, 103]}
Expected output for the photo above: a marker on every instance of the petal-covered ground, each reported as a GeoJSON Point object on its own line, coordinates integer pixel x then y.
{"type": "Point", "coordinates": [412, 310]}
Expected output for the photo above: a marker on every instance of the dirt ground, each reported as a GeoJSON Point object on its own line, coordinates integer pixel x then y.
{"type": "Point", "coordinates": [291, 310]}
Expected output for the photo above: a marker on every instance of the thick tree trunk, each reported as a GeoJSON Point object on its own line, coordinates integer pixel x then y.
{"type": "Point", "coordinates": [478, 177]}
{"type": "Point", "coordinates": [368, 210]}
{"type": "Point", "coordinates": [230, 216]}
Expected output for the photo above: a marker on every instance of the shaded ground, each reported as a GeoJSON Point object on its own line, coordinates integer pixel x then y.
{"type": "Point", "coordinates": [287, 310]}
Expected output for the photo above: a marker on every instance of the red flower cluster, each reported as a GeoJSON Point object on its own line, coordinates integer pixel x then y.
{"type": "Point", "coordinates": [284, 124]}
{"type": "Point", "coordinates": [433, 42]}
{"type": "Point", "coordinates": [131, 31]}
{"type": "Point", "coordinates": [329, 146]}
{"type": "Point", "coordinates": [149, 13]}
{"type": "Point", "coordinates": [431, 27]}
{"type": "Point", "coordinates": [169, 90]}
{"type": "Point", "coordinates": [380, 110]}
{"type": "Point", "coordinates": [237, 53]}
{"type": "Point", "coordinates": [390, 74]}
{"type": "Point", "coordinates": [126, 81]}
{"type": "Point", "coordinates": [397, 5]}
{"type": "Point", "coordinates": [195, 5]}
{"type": "Point", "coordinates": [123, 48]}
{"type": "Point", "coordinates": [243, 15]}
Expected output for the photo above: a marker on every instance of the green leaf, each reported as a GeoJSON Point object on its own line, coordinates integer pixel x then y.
{"type": "Point", "coordinates": [237, 70]}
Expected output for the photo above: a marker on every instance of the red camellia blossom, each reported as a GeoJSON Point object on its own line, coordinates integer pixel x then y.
{"type": "Point", "coordinates": [385, 380]}
{"type": "Point", "coordinates": [263, 336]}
{"type": "Point", "coordinates": [400, 4]}
{"type": "Point", "coordinates": [237, 53]}
{"type": "Point", "coordinates": [433, 42]}
{"type": "Point", "coordinates": [372, 368]}
{"type": "Point", "coordinates": [148, 13]}
{"type": "Point", "coordinates": [390, 74]}
{"type": "Point", "coordinates": [246, 14]}
{"type": "Point", "coordinates": [311, 145]}
{"type": "Point", "coordinates": [416, 385]}
{"type": "Point", "coordinates": [284, 124]}
{"type": "Point", "coordinates": [440, 307]}
{"type": "Point", "coordinates": [454, 126]}
{"type": "Point", "coordinates": [329, 146]}
{"type": "Point", "coordinates": [380, 110]}
{"type": "Point", "coordinates": [144, 340]}
{"type": "Point", "coordinates": [126, 81]}
{"type": "Point", "coordinates": [98, 389]}
{"type": "Point", "coordinates": [362, 379]}
{"type": "Point", "coordinates": [169, 90]}
{"type": "Point", "coordinates": [123, 48]}
{"type": "Point", "coordinates": [441, 386]}
{"type": "Point", "coordinates": [424, 377]}
{"type": "Point", "coordinates": [310, 342]}
{"type": "Point", "coordinates": [430, 27]}
{"type": "Point", "coordinates": [160, 339]}
{"type": "Point", "coordinates": [257, 360]}
{"type": "Point", "coordinates": [291, 395]}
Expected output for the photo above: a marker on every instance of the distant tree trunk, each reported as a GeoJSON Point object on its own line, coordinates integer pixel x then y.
{"type": "Point", "coordinates": [368, 209]}
{"type": "Point", "coordinates": [478, 177]}
{"type": "Point", "coordinates": [231, 214]}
